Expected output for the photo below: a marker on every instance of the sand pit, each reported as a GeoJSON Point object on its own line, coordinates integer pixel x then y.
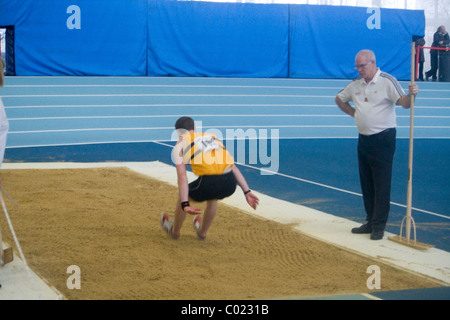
{"type": "Point", "coordinates": [106, 222]}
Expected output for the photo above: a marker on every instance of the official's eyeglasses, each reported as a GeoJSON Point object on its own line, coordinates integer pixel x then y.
{"type": "Point", "coordinates": [360, 66]}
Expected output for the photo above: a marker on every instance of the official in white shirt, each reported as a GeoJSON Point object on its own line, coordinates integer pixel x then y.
{"type": "Point", "coordinates": [375, 95]}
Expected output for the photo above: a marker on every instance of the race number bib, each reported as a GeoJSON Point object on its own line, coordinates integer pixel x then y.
{"type": "Point", "coordinates": [206, 143]}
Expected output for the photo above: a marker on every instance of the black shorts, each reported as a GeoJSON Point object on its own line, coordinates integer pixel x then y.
{"type": "Point", "coordinates": [212, 187]}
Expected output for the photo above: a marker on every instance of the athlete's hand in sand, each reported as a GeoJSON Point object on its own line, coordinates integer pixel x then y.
{"type": "Point", "coordinates": [252, 200]}
{"type": "Point", "coordinates": [192, 210]}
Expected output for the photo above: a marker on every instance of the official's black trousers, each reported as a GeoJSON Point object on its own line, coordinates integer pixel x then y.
{"type": "Point", "coordinates": [375, 158]}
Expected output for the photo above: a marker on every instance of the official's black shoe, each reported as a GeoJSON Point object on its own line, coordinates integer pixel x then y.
{"type": "Point", "coordinates": [365, 228]}
{"type": "Point", "coordinates": [376, 235]}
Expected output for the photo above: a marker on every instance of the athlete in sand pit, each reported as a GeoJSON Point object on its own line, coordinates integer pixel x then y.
{"type": "Point", "coordinates": [217, 178]}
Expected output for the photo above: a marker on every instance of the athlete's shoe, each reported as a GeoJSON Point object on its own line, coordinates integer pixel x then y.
{"type": "Point", "coordinates": [197, 223]}
{"type": "Point", "coordinates": [166, 224]}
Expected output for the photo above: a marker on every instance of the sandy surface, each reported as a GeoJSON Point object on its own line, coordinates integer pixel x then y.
{"type": "Point", "coordinates": [106, 221]}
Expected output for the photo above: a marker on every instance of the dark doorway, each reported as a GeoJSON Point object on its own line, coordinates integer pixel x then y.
{"type": "Point", "coordinates": [8, 49]}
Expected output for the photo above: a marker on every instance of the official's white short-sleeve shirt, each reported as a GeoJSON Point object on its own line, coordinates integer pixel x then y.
{"type": "Point", "coordinates": [374, 102]}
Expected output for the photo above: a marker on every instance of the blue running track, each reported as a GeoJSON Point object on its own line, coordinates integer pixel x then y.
{"type": "Point", "coordinates": [313, 162]}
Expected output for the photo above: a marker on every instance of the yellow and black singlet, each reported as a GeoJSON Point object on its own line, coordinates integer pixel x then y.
{"type": "Point", "coordinates": [206, 154]}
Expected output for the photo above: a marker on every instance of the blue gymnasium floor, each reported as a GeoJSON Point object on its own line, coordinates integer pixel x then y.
{"type": "Point", "coordinates": [313, 163]}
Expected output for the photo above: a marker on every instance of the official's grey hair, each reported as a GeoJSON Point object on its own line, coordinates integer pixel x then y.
{"type": "Point", "coordinates": [369, 54]}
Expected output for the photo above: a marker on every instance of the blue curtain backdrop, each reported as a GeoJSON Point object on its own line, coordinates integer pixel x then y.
{"type": "Point", "coordinates": [218, 39]}
{"type": "Point", "coordinates": [325, 39]}
{"type": "Point", "coordinates": [184, 38]}
{"type": "Point", "coordinates": [112, 39]}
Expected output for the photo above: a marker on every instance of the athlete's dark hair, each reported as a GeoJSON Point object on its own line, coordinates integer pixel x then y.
{"type": "Point", "coordinates": [185, 123]}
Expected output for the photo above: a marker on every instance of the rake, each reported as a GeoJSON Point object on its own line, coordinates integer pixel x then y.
{"type": "Point", "coordinates": [408, 220]}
